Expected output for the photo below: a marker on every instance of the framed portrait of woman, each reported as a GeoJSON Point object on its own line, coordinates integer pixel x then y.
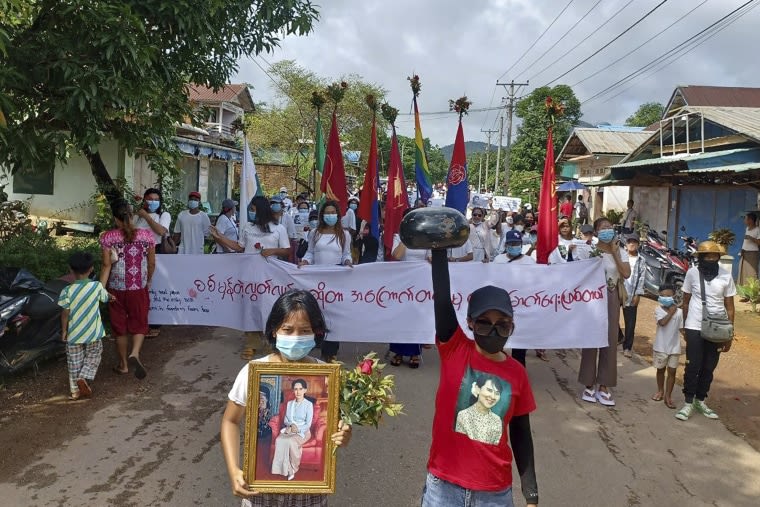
{"type": "Point", "coordinates": [292, 409]}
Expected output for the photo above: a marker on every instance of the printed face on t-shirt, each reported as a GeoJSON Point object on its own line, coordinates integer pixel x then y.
{"type": "Point", "coordinates": [482, 404]}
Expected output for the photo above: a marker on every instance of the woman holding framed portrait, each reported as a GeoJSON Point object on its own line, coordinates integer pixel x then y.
{"type": "Point", "coordinates": [293, 328]}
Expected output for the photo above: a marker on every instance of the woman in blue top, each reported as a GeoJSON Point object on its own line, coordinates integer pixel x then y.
{"type": "Point", "coordinates": [295, 431]}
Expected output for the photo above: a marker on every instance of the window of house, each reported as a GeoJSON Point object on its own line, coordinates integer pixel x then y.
{"type": "Point", "coordinates": [189, 168]}
{"type": "Point", "coordinates": [217, 184]}
{"type": "Point", "coordinates": [38, 180]}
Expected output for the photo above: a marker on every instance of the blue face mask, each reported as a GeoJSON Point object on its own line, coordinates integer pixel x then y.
{"type": "Point", "coordinates": [251, 216]}
{"type": "Point", "coordinates": [666, 301]}
{"type": "Point", "coordinates": [606, 235]}
{"type": "Point", "coordinates": [192, 204]}
{"type": "Point", "coordinates": [153, 206]}
{"type": "Point", "coordinates": [276, 208]}
{"type": "Point", "coordinates": [331, 219]}
{"type": "Point", "coordinates": [304, 213]}
{"type": "Point", "coordinates": [313, 224]}
{"type": "Point", "coordinates": [514, 251]}
{"type": "Point", "coordinates": [353, 206]}
{"type": "Point", "coordinates": [295, 347]}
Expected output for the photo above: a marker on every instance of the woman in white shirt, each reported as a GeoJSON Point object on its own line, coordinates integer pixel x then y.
{"type": "Point", "coordinates": [226, 225]}
{"type": "Point", "coordinates": [565, 251]}
{"type": "Point", "coordinates": [262, 234]}
{"type": "Point", "coordinates": [750, 249]}
{"type": "Point", "coordinates": [480, 236]}
{"type": "Point", "coordinates": [599, 366]}
{"type": "Point", "coordinates": [152, 216]}
{"type": "Point", "coordinates": [329, 245]}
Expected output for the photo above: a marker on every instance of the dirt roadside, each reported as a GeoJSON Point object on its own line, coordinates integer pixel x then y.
{"type": "Point", "coordinates": [36, 416]}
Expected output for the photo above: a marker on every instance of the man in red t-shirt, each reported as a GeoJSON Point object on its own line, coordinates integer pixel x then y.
{"type": "Point", "coordinates": [482, 392]}
{"type": "Point", "coordinates": [566, 208]}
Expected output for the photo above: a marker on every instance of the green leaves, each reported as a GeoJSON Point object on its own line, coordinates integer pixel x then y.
{"type": "Point", "coordinates": [366, 394]}
{"type": "Point", "coordinates": [647, 114]}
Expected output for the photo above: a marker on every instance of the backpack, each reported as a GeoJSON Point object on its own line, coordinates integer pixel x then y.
{"type": "Point", "coordinates": [582, 211]}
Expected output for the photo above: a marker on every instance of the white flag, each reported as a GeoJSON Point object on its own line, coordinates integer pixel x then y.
{"type": "Point", "coordinates": [248, 184]}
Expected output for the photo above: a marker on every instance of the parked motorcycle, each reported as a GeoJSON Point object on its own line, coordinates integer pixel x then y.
{"type": "Point", "coordinates": [662, 267]}
{"type": "Point", "coordinates": [30, 320]}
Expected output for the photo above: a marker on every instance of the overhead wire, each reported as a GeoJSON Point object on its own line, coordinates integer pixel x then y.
{"type": "Point", "coordinates": [665, 63]}
{"type": "Point", "coordinates": [536, 60]}
{"type": "Point", "coordinates": [684, 47]}
{"type": "Point", "coordinates": [538, 39]}
{"type": "Point", "coordinates": [580, 42]}
{"type": "Point", "coordinates": [640, 45]}
{"type": "Point", "coordinates": [645, 16]}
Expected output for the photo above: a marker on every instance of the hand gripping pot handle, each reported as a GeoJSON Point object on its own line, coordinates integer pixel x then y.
{"type": "Point", "coordinates": [434, 228]}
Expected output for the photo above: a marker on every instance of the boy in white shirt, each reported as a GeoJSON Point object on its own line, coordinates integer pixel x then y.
{"type": "Point", "coordinates": [667, 344]}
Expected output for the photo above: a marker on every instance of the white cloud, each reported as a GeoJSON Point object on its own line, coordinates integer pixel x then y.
{"type": "Point", "coordinates": [463, 47]}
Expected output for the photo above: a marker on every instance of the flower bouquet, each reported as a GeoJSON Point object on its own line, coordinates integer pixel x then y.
{"type": "Point", "coordinates": [365, 393]}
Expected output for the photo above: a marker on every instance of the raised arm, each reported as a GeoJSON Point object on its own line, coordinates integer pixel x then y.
{"type": "Point", "coordinates": [445, 316]}
{"type": "Point", "coordinates": [522, 447]}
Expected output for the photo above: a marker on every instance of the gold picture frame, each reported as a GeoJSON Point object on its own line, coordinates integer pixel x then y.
{"type": "Point", "coordinates": [274, 390]}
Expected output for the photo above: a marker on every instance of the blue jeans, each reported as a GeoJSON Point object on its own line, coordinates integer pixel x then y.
{"type": "Point", "coordinates": [439, 493]}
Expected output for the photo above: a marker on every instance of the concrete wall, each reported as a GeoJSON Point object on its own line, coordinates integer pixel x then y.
{"type": "Point", "coordinates": [653, 205]}
{"type": "Point", "coordinates": [615, 198]}
{"type": "Point", "coordinates": [73, 185]}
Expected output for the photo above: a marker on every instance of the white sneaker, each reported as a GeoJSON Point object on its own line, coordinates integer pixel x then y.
{"type": "Point", "coordinates": [627, 353]}
{"type": "Point", "coordinates": [685, 412]}
{"type": "Point", "coordinates": [605, 398]}
{"type": "Point", "coordinates": [589, 395]}
{"type": "Point", "coordinates": [703, 409]}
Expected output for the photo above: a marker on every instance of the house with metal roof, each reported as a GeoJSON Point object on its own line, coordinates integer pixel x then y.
{"type": "Point", "coordinates": [699, 170]}
{"type": "Point", "coordinates": [587, 156]}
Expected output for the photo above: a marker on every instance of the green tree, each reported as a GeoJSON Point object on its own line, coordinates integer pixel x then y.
{"type": "Point", "coordinates": [529, 149]}
{"type": "Point", "coordinates": [646, 114]}
{"type": "Point", "coordinates": [288, 122]}
{"type": "Point", "coordinates": [437, 164]}
{"type": "Point", "coordinates": [75, 72]}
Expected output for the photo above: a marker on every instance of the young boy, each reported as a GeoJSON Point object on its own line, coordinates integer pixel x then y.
{"type": "Point", "coordinates": [667, 344]}
{"type": "Point", "coordinates": [81, 327]}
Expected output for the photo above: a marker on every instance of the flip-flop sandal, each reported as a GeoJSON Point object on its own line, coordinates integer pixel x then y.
{"type": "Point", "coordinates": [153, 333]}
{"type": "Point", "coordinates": [73, 397]}
{"type": "Point", "coordinates": [670, 404]}
{"type": "Point", "coordinates": [84, 388]}
{"type": "Point", "coordinates": [396, 360]}
{"type": "Point", "coordinates": [657, 397]}
{"type": "Point", "coordinates": [117, 371]}
{"type": "Point", "coordinates": [140, 372]}
{"type": "Point", "coordinates": [414, 362]}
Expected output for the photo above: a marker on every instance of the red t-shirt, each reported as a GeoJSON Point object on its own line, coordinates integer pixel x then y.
{"type": "Point", "coordinates": [476, 399]}
{"type": "Point", "coordinates": [566, 209]}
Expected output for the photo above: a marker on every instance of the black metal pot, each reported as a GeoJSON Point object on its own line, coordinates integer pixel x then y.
{"type": "Point", "coordinates": [432, 228]}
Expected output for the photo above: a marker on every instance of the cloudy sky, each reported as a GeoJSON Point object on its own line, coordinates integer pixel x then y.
{"type": "Point", "coordinates": [460, 47]}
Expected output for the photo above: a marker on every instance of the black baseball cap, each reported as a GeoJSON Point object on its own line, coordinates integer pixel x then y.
{"type": "Point", "coordinates": [489, 298]}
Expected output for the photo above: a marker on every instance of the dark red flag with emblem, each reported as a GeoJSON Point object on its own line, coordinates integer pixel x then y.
{"type": "Point", "coordinates": [396, 199]}
{"type": "Point", "coordinates": [548, 233]}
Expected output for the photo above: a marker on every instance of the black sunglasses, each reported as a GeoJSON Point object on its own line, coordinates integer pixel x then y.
{"type": "Point", "coordinates": [477, 215]}
{"type": "Point", "coordinates": [504, 328]}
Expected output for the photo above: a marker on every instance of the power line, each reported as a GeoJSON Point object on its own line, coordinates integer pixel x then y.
{"type": "Point", "coordinates": [665, 63]}
{"type": "Point", "coordinates": [536, 60]}
{"type": "Point", "coordinates": [673, 53]}
{"type": "Point", "coordinates": [581, 42]}
{"type": "Point", "coordinates": [645, 16]}
{"type": "Point", "coordinates": [640, 46]}
{"type": "Point", "coordinates": [536, 41]}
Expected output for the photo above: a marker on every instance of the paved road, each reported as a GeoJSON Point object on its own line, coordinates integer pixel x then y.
{"type": "Point", "coordinates": [161, 447]}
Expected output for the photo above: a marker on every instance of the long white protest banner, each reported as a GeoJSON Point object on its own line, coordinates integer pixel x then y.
{"type": "Point", "coordinates": [557, 306]}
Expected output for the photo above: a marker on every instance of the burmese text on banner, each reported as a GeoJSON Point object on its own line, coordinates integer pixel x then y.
{"type": "Point", "coordinates": [556, 306]}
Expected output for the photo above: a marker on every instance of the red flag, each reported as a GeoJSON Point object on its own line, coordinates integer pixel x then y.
{"type": "Point", "coordinates": [333, 182]}
{"type": "Point", "coordinates": [368, 195]}
{"type": "Point", "coordinates": [548, 232]}
{"type": "Point", "coordinates": [457, 190]}
{"type": "Point", "coordinates": [397, 199]}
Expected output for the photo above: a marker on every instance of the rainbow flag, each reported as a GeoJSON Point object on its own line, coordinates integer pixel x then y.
{"type": "Point", "coordinates": [421, 169]}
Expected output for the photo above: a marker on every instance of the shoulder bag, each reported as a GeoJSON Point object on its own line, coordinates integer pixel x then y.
{"type": "Point", "coordinates": [716, 327]}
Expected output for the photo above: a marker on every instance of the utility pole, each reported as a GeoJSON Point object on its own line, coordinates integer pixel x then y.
{"type": "Point", "coordinates": [488, 152]}
{"type": "Point", "coordinates": [498, 153]}
{"type": "Point", "coordinates": [511, 98]}
{"type": "Point", "coordinates": [480, 169]}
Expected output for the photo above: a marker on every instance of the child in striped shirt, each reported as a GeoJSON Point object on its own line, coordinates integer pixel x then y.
{"type": "Point", "coordinates": [81, 327]}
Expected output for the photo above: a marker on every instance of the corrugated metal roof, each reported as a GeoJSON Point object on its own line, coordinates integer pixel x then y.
{"type": "Point", "coordinates": [742, 120]}
{"type": "Point", "coordinates": [735, 168]}
{"type": "Point", "coordinates": [611, 141]}
{"type": "Point", "coordinates": [227, 93]}
{"type": "Point", "coordinates": [684, 158]}
{"type": "Point", "coordinates": [720, 96]}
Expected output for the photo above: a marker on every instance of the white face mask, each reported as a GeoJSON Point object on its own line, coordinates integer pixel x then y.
{"type": "Point", "coordinates": [519, 228]}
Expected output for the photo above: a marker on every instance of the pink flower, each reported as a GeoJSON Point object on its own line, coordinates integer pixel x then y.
{"type": "Point", "coordinates": [257, 246]}
{"type": "Point", "coordinates": [365, 367]}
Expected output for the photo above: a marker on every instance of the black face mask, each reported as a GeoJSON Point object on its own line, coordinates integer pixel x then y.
{"type": "Point", "coordinates": [491, 343]}
{"type": "Point", "coordinates": [709, 269]}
